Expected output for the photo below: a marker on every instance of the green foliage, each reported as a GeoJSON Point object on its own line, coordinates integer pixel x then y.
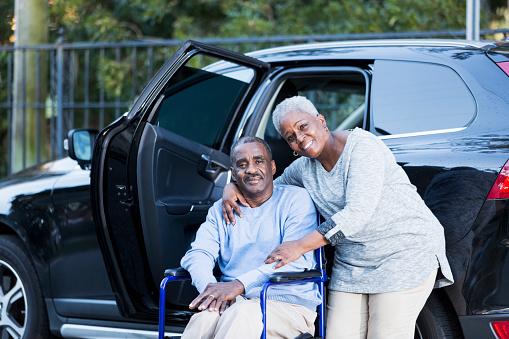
{"type": "Point", "coordinates": [7, 15]}
{"type": "Point", "coordinates": [84, 20]}
{"type": "Point", "coordinates": [112, 74]}
{"type": "Point", "coordinates": [114, 20]}
{"type": "Point", "coordinates": [289, 17]}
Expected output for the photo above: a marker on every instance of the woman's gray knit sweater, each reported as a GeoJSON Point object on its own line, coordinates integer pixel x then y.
{"type": "Point", "coordinates": [385, 237]}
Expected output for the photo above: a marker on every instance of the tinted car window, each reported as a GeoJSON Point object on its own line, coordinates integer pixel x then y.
{"type": "Point", "coordinates": [338, 106]}
{"type": "Point", "coordinates": [199, 102]}
{"type": "Point", "coordinates": [340, 98]}
{"type": "Point", "coordinates": [415, 97]}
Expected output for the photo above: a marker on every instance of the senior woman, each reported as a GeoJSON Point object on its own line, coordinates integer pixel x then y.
{"type": "Point", "coordinates": [389, 247]}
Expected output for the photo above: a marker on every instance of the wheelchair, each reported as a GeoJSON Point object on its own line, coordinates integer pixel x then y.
{"type": "Point", "coordinates": [317, 275]}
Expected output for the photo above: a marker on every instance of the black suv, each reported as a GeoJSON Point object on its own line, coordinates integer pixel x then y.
{"type": "Point", "coordinates": [85, 242]}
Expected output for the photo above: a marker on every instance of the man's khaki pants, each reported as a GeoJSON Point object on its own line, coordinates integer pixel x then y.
{"type": "Point", "coordinates": [244, 320]}
{"type": "Point", "coordinates": [376, 316]}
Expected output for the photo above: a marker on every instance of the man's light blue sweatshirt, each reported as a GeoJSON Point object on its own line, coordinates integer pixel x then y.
{"type": "Point", "coordinates": [240, 249]}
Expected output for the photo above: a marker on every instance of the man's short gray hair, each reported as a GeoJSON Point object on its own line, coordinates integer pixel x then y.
{"type": "Point", "coordinates": [293, 104]}
{"type": "Point", "coordinates": [247, 140]}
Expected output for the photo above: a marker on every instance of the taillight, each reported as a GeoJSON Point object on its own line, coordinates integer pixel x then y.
{"type": "Point", "coordinates": [500, 189]}
{"type": "Point", "coordinates": [501, 329]}
{"type": "Point", "coordinates": [504, 66]}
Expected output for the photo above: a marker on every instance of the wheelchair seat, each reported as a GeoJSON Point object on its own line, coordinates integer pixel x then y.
{"type": "Point", "coordinates": [317, 275]}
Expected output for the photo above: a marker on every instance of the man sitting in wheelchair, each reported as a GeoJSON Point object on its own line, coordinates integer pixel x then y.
{"type": "Point", "coordinates": [231, 308]}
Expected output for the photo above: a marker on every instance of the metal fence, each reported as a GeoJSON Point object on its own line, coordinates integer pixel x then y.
{"type": "Point", "coordinates": [87, 85]}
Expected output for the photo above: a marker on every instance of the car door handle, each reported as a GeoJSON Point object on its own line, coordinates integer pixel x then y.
{"type": "Point", "coordinates": [183, 208]}
{"type": "Point", "coordinates": [210, 168]}
{"type": "Point", "coordinates": [212, 165]}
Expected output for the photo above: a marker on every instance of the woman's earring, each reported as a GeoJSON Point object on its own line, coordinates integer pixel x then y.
{"type": "Point", "coordinates": [295, 154]}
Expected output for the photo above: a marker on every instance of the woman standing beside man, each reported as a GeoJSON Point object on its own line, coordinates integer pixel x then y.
{"type": "Point", "coordinates": [389, 247]}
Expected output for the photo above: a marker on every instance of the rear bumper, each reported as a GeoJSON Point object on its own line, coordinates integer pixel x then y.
{"type": "Point", "coordinates": [479, 326]}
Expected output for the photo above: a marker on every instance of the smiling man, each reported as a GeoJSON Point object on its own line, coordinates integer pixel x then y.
{"type": "Point", "coordinates": [276, 214]}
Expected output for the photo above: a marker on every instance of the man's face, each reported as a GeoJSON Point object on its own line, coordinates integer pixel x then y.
{"type": "Point", "coordinates": [252, 169]}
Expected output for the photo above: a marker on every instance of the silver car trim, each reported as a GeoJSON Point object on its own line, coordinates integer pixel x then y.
{"type": "Point", "coordinates": [97, 332]}
{"type": "Point", "coordinates": [371, 43]}
{"type": "Point", "coordinates": [438, 131]}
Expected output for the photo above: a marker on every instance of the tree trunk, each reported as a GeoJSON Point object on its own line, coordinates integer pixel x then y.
{"type": "Point", "coordinates": [30, 86]}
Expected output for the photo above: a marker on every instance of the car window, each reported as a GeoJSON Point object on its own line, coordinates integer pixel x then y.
{"type": "Point", "coordinates": [342, 109]}
{"type": "Point", "coordinates": [201, 99]}
{"type": "Point", "coordinates": [411, 97]}
{"type": "Point", "coordinates": [340, 98]}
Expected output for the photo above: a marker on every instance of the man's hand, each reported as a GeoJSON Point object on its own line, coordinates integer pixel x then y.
{"type": "Point", "coordinates": [218, 296]}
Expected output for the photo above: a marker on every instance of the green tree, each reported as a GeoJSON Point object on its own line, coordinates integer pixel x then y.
{"type": "Point", "coordinates": [112, 20]}
{"type": "Point", "coordinates": [32, 29]}
{"type": "Point", "coordinates": [7, 15]}
{"type": "Point", "coordinates": [340, 17]}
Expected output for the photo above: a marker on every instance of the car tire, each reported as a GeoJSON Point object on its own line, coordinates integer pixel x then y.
{"type": "Point", "coordinates": [437, 320]}
{"type": "Point", "coordinates": [22, 309]}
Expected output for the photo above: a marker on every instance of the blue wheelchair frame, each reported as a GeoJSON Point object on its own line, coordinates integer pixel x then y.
{"type": "Point", "coordinates": [169, 275]}
{"type": "Point", "coordinates": [317, 275]}
{"type": "Point", "coordinates": [311, 276]}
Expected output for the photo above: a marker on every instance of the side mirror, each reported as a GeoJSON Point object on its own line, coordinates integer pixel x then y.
{"type": "Point", "coordinates": [80, 144]}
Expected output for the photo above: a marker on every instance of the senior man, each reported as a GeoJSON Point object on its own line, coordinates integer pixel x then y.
{"type": "Point", "coordinates": [231, 308]}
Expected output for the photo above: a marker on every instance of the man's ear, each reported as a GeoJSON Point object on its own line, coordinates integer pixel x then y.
{"type": "Point", "coordinates": [233, 174]}
{"type": "Point", "coordinates": [273, 165]}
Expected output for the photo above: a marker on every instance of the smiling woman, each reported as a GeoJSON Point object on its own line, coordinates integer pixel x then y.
{"type": "Point", "coordinates": [378, 268]}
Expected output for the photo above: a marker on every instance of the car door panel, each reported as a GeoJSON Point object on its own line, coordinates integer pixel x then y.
{"type": "Point", "coordinates": [77, 256]}
{"type": "Point", "coordinates": [156, 171]}
{"type": "Point", "coordinates": [174, 197]}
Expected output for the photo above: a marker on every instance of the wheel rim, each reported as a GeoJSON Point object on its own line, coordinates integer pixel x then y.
{"type": "Point", "coordinates": [13, 303]}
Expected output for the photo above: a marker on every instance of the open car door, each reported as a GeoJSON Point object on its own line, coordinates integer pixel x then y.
{"type": "Point", "coordinates": [157, 170]}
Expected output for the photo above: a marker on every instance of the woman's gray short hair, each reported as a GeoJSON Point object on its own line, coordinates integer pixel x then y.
{"type": "Point", "coordinates": [297, 103]}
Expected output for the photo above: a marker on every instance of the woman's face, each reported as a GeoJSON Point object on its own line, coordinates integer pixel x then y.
{"type": "Point", "coordinates": [304, 133]}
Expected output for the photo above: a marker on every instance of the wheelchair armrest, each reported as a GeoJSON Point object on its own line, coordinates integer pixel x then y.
{"type": "Point", "coordinates": [176, 272]}
{"type": "Point", "coordinates": [294, 276]}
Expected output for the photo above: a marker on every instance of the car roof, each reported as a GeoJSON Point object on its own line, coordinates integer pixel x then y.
{"type": "Point", "coordinates": [336, 48]}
